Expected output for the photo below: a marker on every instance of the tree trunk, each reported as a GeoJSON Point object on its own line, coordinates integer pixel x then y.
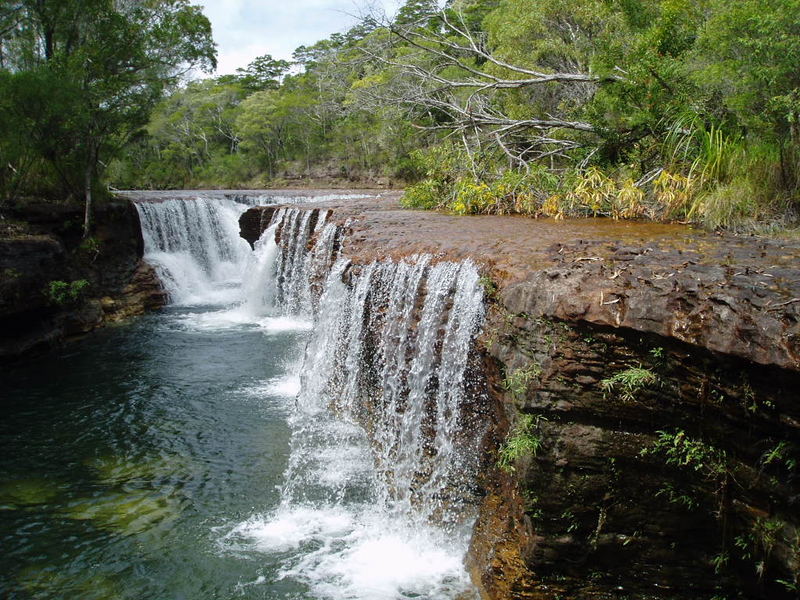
{"type": "Point", "coordinates": [87, 188]}
{"type": "Point", "coordinates": [49, 46]}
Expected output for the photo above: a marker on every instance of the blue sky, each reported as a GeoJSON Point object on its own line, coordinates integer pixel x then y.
{"type": "Point", "coordinates": [245, 29]}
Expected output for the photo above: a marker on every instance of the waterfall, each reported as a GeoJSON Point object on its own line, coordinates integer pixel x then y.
{"type": "Point", "coordinates": [378, 497]}
{"type": "Point", "coordinates": [193, 242]}
{"type": "Point", "coordinates": [391, 353]}
{"type": "Point", "coordinates": [259, 287]}
{"type": "Point", "coordinates": [386, 428]}
{"type": "Point", "coordinates": [195, 247]}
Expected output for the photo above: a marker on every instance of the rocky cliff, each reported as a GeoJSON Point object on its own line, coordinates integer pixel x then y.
{"type": "Point", "coordinates": [645, 424]}
{"type": "Point", "coordinates": [55, 285]}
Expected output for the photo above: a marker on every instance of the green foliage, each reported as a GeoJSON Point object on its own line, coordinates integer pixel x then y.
{"type": "Point", "coordinates": [532, 508]}
{"type": "Point", "coordinates": [720, 562]}
{"type": "Point", "coordinates": [679, 450]}
{"type": "Point", "coordinates": [488, 285]}
{"type": "Point", "coordinates": [39, 112]}
{"type": "Point", "coordinates": [426, 194]}
{"type": "Point", "coordinates": [572, 522]}
{"type": "Point", "coordinates": [264, 72]}
{"type": "Point", "coordinates": [466, 184]}
{"type": "Point", "coordinates": [91, 246]}
{"type": "Point", "coordinates": [751, 50]}
{"type": "Point", "coordinates": [675, 496]}
{"type": "Point", "coordinates": [628, 383]}
{"type": "Point", "coordinates": [523, 440]}
{"type": "Point", "coordinates": [79, 79]}
{"type": "Point", "coordinates": [62, 293]}
{"type": "Point", "coordinates": [782, 454]}
{"type": "Point", "coordinates": [693, 117]}
{"type": "Point", "coordinates": [518, 380]}
{"type": "Point", "coordinates": [761, 539]}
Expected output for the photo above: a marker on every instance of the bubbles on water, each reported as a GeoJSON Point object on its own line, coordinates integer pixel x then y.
{"type": "Point", "coordinates": [290, 528]}
{"type": "Point", "coordinates": [353, 553]}
{"type": "Point", "coordinates": [280, 325]}
{"type": "Point", "coordinates": [287, 386]}
{"type": "Point", "coordinates": [376, 563]}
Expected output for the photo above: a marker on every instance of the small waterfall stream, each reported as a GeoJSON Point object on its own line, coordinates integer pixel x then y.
{"type": "Point", "coordinates": [193, 242]}
{"type": "Point", "coordinates": [377, 500]}
{"type": "Point", "coordinates": [195, 246]}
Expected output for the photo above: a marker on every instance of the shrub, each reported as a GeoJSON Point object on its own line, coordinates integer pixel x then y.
{"type": "Point", "coordinates": [518, 380]}
{"type": "Point", "coordinates": [472, 197]}
{"type": "Point", "coordinates": [629, 382]}
{"type": "Point", "coordinates": [522, 440]}
{"type": "Point", "coordinates": [427, 195]}
{"type": "Point", "coordinates": [62, 293]}
{"type": "Point", "coordinates": [684, 452]}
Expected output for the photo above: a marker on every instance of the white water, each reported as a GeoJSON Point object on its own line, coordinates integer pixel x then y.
{"type": "Point", "coordinates": [377, 500]}
{"type": "Point", "coordinates": [194, 243]}
{"type": "Point", "coordinates": [380, 468]}
{"type": "Point", "coordinates": [195, 247]}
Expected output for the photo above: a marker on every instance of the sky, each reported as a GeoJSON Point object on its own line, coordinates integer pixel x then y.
{"type": "Point", "coordinates": [245, 29]}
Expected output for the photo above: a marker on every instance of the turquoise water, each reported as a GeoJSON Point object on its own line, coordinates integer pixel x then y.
{"type": "Point", "coordinates": [128, 457]}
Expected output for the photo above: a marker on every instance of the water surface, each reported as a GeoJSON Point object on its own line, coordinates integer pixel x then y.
{"type": "Point", "coordinates": [218, 449]}
{"type": "Point", "coordinates": [128, 456]}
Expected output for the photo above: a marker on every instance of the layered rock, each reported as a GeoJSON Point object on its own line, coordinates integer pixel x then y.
{"type": "Point", "coordinates": [41, 244]}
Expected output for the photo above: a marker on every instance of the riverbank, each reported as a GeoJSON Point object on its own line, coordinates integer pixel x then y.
{"type": "Point", "coordinates": [55, 285]}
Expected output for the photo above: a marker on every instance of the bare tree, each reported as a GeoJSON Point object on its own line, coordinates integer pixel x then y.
{"type": "Point", "coordinates": [441, 76]}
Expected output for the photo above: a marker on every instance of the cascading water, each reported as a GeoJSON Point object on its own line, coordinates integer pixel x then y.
{"type": "Point", "coordinates": [378, 490]}
{"type": "Point", "coordinates": [377, 500]}
{"type": "Point", "coordinates": [193, 241]}
{"type": "Point", "coordinates": [195, 246]}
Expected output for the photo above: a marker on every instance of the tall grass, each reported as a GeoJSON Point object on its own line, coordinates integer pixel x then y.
{"type": "Point", "coordinates": [736, 183]}
{"type": "Point", "coordinates": [710, 176]}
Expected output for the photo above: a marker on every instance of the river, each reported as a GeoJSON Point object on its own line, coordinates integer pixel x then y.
{"type": "Point", "coordinates": [217, 449]}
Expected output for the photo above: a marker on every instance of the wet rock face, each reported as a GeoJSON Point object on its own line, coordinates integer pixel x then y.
{"type": "Point", "coordinates": [254, 221]}
{"type": "Point", "coordinates": [663, 389]}
{"type": "Point", "coordinates": [678, 485]}
{"type": "Point", "coordinates": [49, 248]}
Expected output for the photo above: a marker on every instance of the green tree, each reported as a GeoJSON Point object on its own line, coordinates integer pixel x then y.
{"type": "Point", "coordinates": [264, 72]}
{"type": "Point", "coordinates": [119, 57]}
{"type": "Point", "coordinates": [416, 12]}
{"type": "Point", "coordinates": [749, 52]}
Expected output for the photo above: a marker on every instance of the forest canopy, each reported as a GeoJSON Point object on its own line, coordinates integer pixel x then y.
{"type": "Point", "coordinates": [663, 109]}
{"type": "Point", "coordinates": [78, 82]}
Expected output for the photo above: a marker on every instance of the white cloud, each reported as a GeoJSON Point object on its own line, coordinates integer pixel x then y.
{"type": "Point", "coordinates": [245, 29]}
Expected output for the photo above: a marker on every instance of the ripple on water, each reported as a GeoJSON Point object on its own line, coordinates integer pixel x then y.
{"type": "Point", "coordinates": [237, 319]}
